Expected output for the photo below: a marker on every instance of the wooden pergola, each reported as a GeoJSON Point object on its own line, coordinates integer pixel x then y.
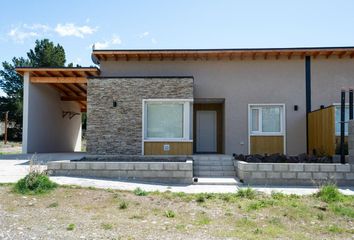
{"type": "Point", "coordinates": [71, 83]}
{"type": "Point", "coordinates": [221, 54]}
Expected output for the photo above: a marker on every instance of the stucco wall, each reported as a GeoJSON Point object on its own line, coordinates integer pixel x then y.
{"type": "Point", "coordinates": [45, 130]}
{"type": "Point", "coordinates": [240, 83]}
{"type": "Point", "coordinates": [328, 77]}
{"type": "Point", "coordinates": [118, 130]}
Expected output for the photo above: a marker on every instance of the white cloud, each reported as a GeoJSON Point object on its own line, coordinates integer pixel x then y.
{"type": "Point", "coordinates": [153, 40]}
{"type": "Point", "coordinates": [144, 34]}
{"type": "Point", "coordinates": [70, 29]}
{"type": "Point", "coordinates": [22, 32]}
{"type": "Point", "coordinates": [115, 40]}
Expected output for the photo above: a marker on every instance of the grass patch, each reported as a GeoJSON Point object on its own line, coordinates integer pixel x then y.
{"type": "Point", "coordinates": [123, 205]}
{"type": "Point", "coordinates": [248, 193]}
{"type": "Point", "coordinates": [170, 214]}
{"type": "Point", "coordinates": [202, 219]}
{"type": "Point", "coordinates": [259, 204]}
{"type": "Point", "coordinates": [70, 227]}
{"type": "Point", "coordinates": [106, 226]}
{"type": "Point", "coordinates": [342, 210]}
{"type": "Point", "coordinates": [140, 192]}
{"type": "Point", "coordinates": [200, 198]}
{"type": "Point", "coordinates": [329, 194]}
{"type": "Point", "coordinates": [335, 229]}
{"type": "Point", "coordinates": [34, 183]}
{"type": "Point", "coordinates": [53, 205]}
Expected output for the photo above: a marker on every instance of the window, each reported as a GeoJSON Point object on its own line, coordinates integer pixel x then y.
{"type": "Point", "coordinates": [337, 119]}
{"type": "Point", "coordinates": [166, 119]}
{"type": "Point", "coordinates": [266, 119]}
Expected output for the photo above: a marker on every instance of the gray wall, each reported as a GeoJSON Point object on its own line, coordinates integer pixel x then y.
{"type": "Point", "coordinates": [45, 130]}
{"type": "Point", "coordinates": [328, 77]}
{"type": "Point", "coordinates": [240, 83]}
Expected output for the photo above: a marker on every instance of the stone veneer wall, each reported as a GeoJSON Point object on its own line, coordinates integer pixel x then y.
{"type": "Point", "coordinates": [118, 130]}
{"type": "Point", "coordinates": [351, 141]}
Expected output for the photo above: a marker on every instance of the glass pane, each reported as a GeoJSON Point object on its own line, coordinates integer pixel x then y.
{"type": "Point", "coordinates": [255, 120]}
{"type": "Point", "coordinates": [271, 119]}
{"type": "Point", "coordinates": [165, 120]}
{"type": "Point", "coordinates": [337, 110]}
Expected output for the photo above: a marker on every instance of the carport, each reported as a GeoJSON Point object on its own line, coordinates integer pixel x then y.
{"type": "Point", "coordinates": [53, 100]}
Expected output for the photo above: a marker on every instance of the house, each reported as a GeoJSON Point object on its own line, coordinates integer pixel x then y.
{"type": "Point", "coordinates": [181, 102]}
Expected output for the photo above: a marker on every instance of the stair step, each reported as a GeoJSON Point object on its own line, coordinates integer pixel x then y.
{"type": "Point", "coordinates": [213, 163]}
{"type": "Point", "coordinates": [214, 168]}
{"type": "Point", "coordinates": [217, 181]}
{"type": "Point", "coordinates": [213, 173]}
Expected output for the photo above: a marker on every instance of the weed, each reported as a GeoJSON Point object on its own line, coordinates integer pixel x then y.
{"type": "Point", "coordinates": [140, 192]}
{"type": "Point", "coordinates": [278, 195]}
{"type": "Point", "coordinates": [200, 198]}
{"type": "Point", "coordinates": [70, 227]}
{"type": "Point", "coordinates": [170, 214]}
{"type": "Point", "coordinates": [320, 216]}
{"type": "Point", "coordinates": [106, 226]}
{"type": "Point", "coordinates": [53, 205]}
{"type": "Point", "coordinates": [329, 193]}
{"type": "Point", "coordinates": [342, 210]}
{"type": "Point", "coordinates": [34, 183]}
{"type": "Point", "coordinates": [248, 193]}
{"type": "Point", "coordinates": [203, 219]}
{"type": "Point", "coordinates": [263, 203]}
{"type": "Point", "coordinates": [136, 217]}
{"type": "Point", "coordinates": [180, 227]}
{"type": "Point", "coordinates": [335, 229]}
{"type": "Point", "coordinates": [258, 231]}
{"type": "Point", "coordinates": [123, 205]}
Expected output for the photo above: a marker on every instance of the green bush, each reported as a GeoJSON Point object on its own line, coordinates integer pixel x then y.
{"type": "Point", "coordinates": [200, 198]}
{"type": "Point", "coordinates": [329, 193]}
{"type": "Point", "coordinates": [248, 193]}
{"type": "Point", "coordinates": [34, 183]}
{"type": "Point", "coordinates": [140, 192]}
{"type": "Point", "coordinates": [70, 227]}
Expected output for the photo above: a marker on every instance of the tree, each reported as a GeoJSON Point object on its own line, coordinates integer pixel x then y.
{"type": "Point", "coordinates": [10, 82]}
{"type": "Point", "coordinates": [46, 54]}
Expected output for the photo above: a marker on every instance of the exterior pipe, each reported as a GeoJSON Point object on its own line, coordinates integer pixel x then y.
{"type": "Point", "coordinates": [342, 119]}
{"type": "Point", "coordinates": [351, 104]}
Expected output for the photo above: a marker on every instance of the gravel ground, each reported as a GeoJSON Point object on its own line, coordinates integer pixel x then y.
{"type": "Point", "coordinates": [98, 214]}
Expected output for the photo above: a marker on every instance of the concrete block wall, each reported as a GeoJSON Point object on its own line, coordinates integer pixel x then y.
{"type": "Point", "coordinates": [294, 173]}
{"type": "Point", "coordinates": [165, 172]}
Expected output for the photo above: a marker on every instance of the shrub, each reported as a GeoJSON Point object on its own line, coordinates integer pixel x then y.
{"type": "Point", "coordinates": [34, 183]}
{"type": "Point", "coordinates": [70, 227]}
{"type": "Point", "coordinates": [140, 192]}
{"type": "Point", "coordinates": [329, 193]}
{"type": "Point", "coordinates": [123, 205]}
{"type": "Point", "coordinates": [170, 214]}
{"type": "Point", "coordinates": [246, 193]}
{"type": "Point", "coordinates": [278, 195]}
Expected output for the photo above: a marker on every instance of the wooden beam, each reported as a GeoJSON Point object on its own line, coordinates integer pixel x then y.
{"type": "Point", "coordinates": [302, 55]}
{"type": "Point", "coordinates": [289, 55]}
{"type": "Point", "coordinates": [265, 56]}
{"type": "Point", "coordinates": [73, 98]}
{"type": "Point", "coordinates": [58, 80]}
{"type": "Point", "coordinates": [352, 55]}
{"type": "Point", "coordinates": [277, 56]}
{"type": "Point", "coordinates": [254, 56]}
{"type": "Point", "coordinates": [341, 54]}
{"type": "Point", "coordinates": [82, 89]}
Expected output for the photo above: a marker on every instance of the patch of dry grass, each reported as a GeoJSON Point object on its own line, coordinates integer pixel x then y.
{"type": "Point", "coordinates": [127, 215]}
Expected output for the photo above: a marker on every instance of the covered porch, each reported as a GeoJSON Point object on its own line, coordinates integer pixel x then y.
{"type": "Point", "coordinates": [53, 100]}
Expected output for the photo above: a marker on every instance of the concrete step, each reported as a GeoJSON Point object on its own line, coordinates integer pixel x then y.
{"type": "Point", "coordinates": [217, 181]}
{"type": "Point", "coordinates": [214, 173]}
{"type": "Point", "coordinates": [213, 163]}
{"type": "Point", "coordinates": [213, 168]}
{"type": "Point", "coordinates": [212, 157]}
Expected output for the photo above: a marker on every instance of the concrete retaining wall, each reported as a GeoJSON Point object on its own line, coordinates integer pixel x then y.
{"type": "Point", "coordinates": [294, 173]}
{"type": "Point", "coordinates": [165, 172]}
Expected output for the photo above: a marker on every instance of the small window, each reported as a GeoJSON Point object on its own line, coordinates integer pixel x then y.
{"type": "Point", "coordinates": [337, 119]}
{"type": "Point", "coordinates": [267, 119]}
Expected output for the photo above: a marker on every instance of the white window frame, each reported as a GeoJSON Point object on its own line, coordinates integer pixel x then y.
{"type": "Point", "coordinates": [260, 133]}
{"type": "Point", "coordinates": [336, 105]}
{"type": "Point", "coordinates": [187, 120]}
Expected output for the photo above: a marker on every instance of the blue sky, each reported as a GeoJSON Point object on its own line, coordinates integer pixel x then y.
{"type": "Point", "coordinates": [155, 24]}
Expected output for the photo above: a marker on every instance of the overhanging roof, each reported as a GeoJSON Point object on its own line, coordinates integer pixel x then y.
{"type": "Point", "coordinates": [219, 54]}
{"type": "Point", "coordinates": [70, 82]}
